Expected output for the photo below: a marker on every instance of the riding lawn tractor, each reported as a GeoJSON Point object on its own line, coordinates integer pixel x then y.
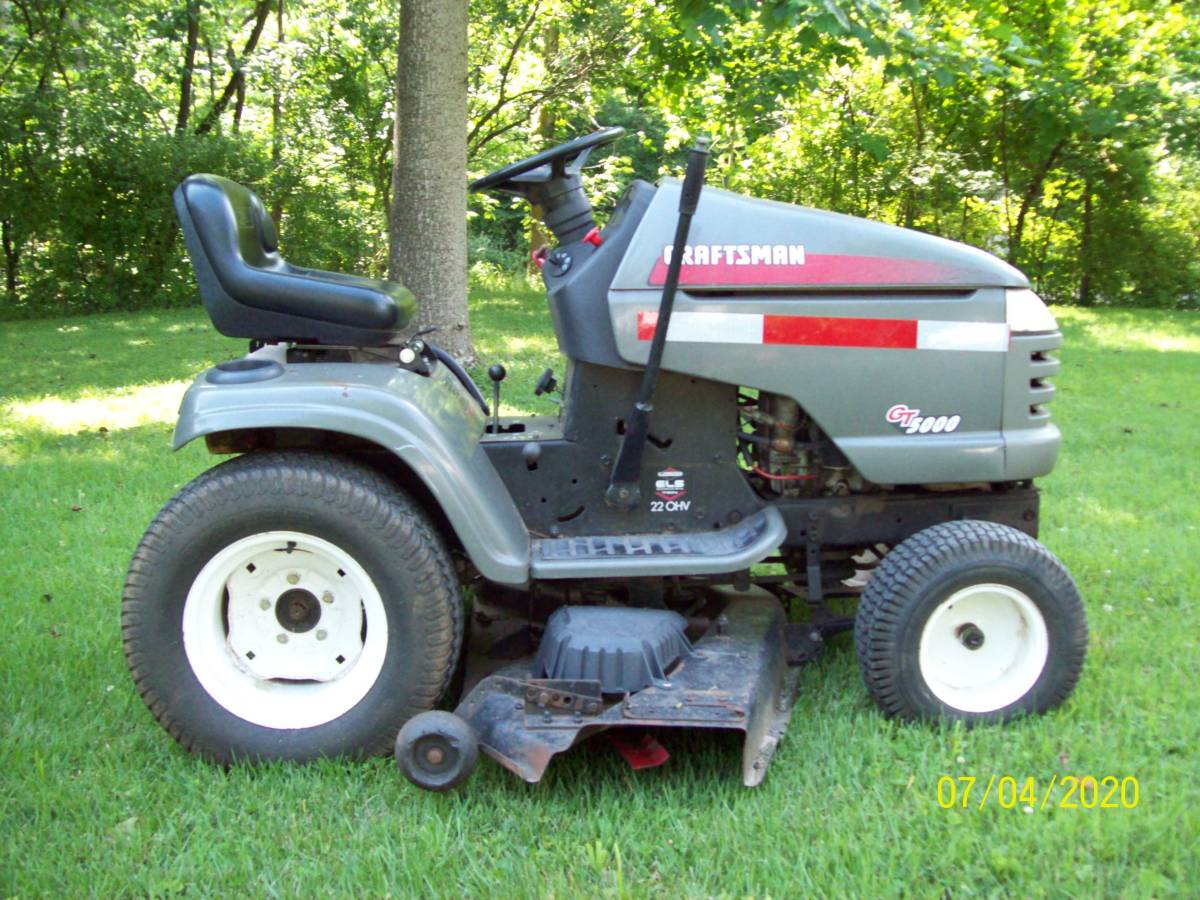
{"type": "Point", "coordinates": [765, 410]}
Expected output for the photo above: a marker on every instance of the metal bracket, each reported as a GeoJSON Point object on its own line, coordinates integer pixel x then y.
{"type": "Point", "coordinates": [812, 558]}
{"type": "Point", "coordinates": [550, 699]}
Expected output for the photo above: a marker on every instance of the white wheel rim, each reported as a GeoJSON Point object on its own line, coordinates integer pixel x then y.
{"type": "Point", "coordinates": [258, 648]}
{"type": "Point", "coordinates": [1013, 644]}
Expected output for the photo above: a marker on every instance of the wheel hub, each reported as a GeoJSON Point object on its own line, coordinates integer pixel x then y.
{"type": "Point", "coordinates": [435, 754]}
{"type": "Point", "coordinates": [298, 610]}
{"type": "Point", "coordinates": [983, 648]}
{"type": "Point", "coordinates": [970, 636]}
{"type": "Point", "coordinates": [292, 614]}
{"type": "Point", "coordinates": [285, 629]}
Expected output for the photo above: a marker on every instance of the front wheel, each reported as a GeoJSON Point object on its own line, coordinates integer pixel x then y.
{"type": "Point", "coordinates": [290, 606]}
{"type": "Point", "coordinates": [970, 620]}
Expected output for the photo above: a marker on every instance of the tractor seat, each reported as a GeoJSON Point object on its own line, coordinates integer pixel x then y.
{"type": "Point", "coordinates": [250, 291]}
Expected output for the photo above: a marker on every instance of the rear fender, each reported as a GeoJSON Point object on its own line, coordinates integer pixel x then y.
{"type": "Point", "coordinates": [430, 423]}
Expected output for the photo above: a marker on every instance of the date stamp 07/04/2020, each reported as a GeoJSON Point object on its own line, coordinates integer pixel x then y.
{"type": "Point", "coordinates": [1030, 794]}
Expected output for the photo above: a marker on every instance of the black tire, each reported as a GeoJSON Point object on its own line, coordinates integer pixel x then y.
{"type": "Point", "coordinates": [919, 576]}
{"type": "Point", "coordinates": [335, 499]}
{"type": "Point", "coordinates": [437, 750]}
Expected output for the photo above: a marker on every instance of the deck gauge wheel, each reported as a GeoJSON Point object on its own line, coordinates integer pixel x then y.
{"type": "Point", "coordinates": [437, 750]}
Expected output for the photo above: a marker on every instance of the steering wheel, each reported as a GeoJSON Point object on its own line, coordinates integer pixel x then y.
{"type": "Point", "coordinates": [565, 159]}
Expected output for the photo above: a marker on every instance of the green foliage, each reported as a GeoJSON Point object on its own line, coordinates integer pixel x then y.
{"type": "Point", "coordinates": [1063, 137]}
{"type": "Point", "coordinates": [1054, 136]}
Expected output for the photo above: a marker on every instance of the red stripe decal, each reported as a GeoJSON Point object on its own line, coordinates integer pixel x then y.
{"type": "Point", "coordinates": [821, 331]}
{"type": "Point", "coordinates": [646, 324]}
{"type": "Point", "coordinates": [820, 268]}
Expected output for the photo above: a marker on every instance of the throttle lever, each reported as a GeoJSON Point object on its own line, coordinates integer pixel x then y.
{"type": "Point", "coordinates": [623, 491]}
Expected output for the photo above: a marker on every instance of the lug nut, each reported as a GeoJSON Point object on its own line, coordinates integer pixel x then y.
{"type": "Point", "coordinates": [322, 634]}
{"type": "Point", "coordinates": [282, 638]}
{"type": "Point", "coordinates": [327, 597]}
{"type": "Point", "coordinates": [293, 578]}
{"type": "Point", "coordinates": [264, 603]}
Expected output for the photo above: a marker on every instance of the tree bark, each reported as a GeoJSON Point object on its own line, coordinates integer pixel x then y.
{"type": "Point", "coordinates": [189, 66]}
{"type": "Point", "coordinates": [427, 248]}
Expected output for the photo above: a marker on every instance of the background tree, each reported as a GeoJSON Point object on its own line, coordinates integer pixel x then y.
{"type": "Point", "coordinates": [428, 245]}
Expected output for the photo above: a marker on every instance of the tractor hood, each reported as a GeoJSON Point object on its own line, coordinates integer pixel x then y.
{"type": "Point", "coordinates": [740, 244]}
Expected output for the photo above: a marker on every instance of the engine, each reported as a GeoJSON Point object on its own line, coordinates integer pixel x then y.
{"type": "Point", "coordinates": [787, 454]}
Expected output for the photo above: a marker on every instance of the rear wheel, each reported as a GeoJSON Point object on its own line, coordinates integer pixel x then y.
{"type": "Point", "coordinates": [290, 606]}
{"type": "Point", "coordinates": [970, 620]}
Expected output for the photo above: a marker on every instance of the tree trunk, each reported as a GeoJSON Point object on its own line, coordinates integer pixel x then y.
{"type": "Point", "coordinates": [1085, 248]}
{"type": "Point", "coordinates": [428, 236]}
{"type": "Point", "coordinates": [12, 259]}
{"type": "Point", "coordinates": [910, 193]}
{"type": "Point", "coordinates": [212, 77]}
{"type": "Point", "coordinates": [237, 80]}
{"type": "Point", "coordinates": [545, 131]}
{"type": "Point", "coordinates": [189, 66]}
{"type": "Point", "coordinates": [277, 118]}
{"type": "Point", "coordinates": [239, 105]}
{"type": "Point", "coordinates": [1033, 192]}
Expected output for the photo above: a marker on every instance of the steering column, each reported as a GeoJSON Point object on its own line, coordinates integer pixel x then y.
{"type": "Point", "coordinates": [551, 181]}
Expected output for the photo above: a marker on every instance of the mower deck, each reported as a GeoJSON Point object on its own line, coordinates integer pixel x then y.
{"type": "Point", "coordinates": [742, 675]}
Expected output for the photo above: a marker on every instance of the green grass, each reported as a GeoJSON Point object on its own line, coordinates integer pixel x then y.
{"type": "Point", "coordinates": [97, 800]}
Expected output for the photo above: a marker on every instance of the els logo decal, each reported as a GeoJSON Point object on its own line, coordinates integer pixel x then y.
{"type": "Point", "coordinates": [670, 487]}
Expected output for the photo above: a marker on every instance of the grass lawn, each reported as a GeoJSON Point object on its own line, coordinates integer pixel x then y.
{"type": "Point", "coordinates": [95, 799]}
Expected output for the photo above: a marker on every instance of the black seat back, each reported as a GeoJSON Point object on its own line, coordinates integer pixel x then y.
{"type": "Point", "coordinates": [250, 291]}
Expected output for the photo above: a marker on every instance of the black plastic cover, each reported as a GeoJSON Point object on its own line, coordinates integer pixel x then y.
{"type": "Point", "coordinates": [625, 649]}
{"type": "Point", "coordinates": [578, 297]}
{"type": "Point", "coordinates": [250, 291]}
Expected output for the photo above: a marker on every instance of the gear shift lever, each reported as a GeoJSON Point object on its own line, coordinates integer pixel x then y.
{"type": "Point", "coordinates": [496, 372]}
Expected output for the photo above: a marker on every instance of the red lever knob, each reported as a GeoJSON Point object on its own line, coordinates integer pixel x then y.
{"type": "Point", "coordinates": [593, 237]}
